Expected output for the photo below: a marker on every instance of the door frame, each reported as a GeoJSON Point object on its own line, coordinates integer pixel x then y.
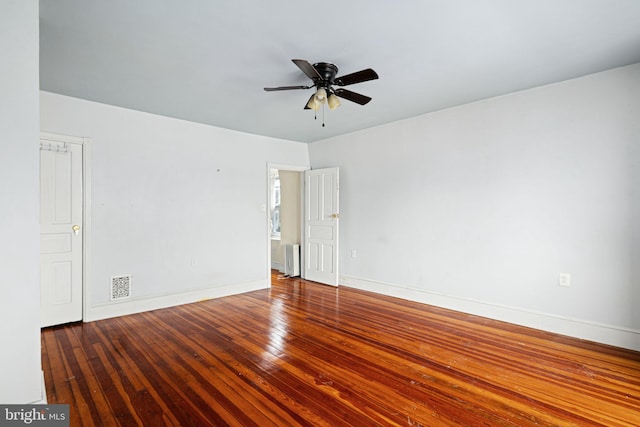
{"type": "Point", "coordinates": [85, 143]}
{"type": "Point", "coordinates": [292, 168]}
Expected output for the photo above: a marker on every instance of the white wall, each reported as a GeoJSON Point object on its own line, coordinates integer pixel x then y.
{"type": "Point", "coordinates": [178, 205]}
{"type": "Point", "coordinates": [20, 368]}
{"type": "Point", "coordinates": [480, 207]}
{"type": "Point", "coordinates": [476, 208]}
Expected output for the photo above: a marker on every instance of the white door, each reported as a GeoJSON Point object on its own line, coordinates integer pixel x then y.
{"type": "Point", "coordinates": [60, 232]}
{"type": "Point", "coordinates": [321, 225]}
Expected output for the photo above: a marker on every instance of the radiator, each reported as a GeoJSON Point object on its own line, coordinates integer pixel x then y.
{"type": "Point", "coordinates": [292, 260]}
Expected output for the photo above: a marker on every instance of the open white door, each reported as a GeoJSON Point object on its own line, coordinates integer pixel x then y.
{"type": "Point", "coordinates": [321, 215]}
{"type": "Point", "coordinates": [60, 232]}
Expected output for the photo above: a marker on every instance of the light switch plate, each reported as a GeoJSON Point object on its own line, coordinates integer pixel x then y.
{"type": "Point", "coordinates": [564, 279]}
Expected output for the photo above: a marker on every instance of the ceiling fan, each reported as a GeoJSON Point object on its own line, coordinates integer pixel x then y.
{"type": "Point", "coordinates": [323, 75]}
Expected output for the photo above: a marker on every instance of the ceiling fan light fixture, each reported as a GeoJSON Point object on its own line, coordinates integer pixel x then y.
{"type": "Point", "coordinates": [321, 96]}
{"type": "Point", "coordinates": [333, 102]}
{"type": "Point", "coordinates": [312, 103]}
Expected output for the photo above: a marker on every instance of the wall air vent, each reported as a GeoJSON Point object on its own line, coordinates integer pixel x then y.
{"type": "Point", "coordinates": [120, 287]}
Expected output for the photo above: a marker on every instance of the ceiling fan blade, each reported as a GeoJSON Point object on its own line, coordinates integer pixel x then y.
{"type": "Point", "coordinates": [357, 77]}
{"type": "Point", "coordinates": [352, 96]}
{"type": "Point", "coordinates": [271, 89]}
{"type": "Point", "coordinates": [307, 68]}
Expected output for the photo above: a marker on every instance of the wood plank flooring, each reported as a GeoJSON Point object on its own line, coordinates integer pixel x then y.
{"type": "Point", "coordinates": [306, 354]}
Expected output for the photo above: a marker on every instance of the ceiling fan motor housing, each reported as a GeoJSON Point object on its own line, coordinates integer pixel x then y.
{"type": "Point", "coordinates": [328, 73]}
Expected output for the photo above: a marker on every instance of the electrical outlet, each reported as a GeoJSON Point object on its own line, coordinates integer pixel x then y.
{"type": "Point", "coordinates": [564, 279]}
{"type": "Point", "coordinates": [353, 253]}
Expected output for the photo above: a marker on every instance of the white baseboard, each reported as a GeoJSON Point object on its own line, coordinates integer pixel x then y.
{"type": "Point", "coordinates": [123, 308]}
{"type": "Point", "coordinates": [277, 266]}
{"type": "Point", "coordinates": [43, 394]}
{"type": "Point", "coordinates": [583, 329]}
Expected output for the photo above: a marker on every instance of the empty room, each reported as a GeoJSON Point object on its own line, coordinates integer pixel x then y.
{"type": "Point", "coordinates": [418, 213]}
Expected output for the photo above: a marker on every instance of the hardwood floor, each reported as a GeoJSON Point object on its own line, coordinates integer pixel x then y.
{"type": "Point", "coordinates": [306, 354]}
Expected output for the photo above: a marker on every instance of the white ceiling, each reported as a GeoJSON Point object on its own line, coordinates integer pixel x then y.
{"type": "Point", "coordinates": [207, 61]}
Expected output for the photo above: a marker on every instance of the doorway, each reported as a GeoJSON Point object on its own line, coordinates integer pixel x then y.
{"type": "Point", "coordinates": [63, 224]}
{"type": "Point", "coordinates": [285, 219]}
{"type": "Point", "coordinates": [316, 221]}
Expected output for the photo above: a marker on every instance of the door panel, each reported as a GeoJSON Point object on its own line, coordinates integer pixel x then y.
{"type": "Point", "coordinates": [321, 225]}
{"type": "Point", "coordinates": [60, 232]}
{"type": "Point", "coordinates": [62, 272]}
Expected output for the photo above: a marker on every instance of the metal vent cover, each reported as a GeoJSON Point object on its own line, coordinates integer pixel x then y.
{"type": "Point", "coordinates": [120, 287]}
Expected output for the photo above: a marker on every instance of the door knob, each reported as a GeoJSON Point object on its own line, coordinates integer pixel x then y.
{"type": "Point", "coordinates": [76, 229]}
{"type": "Point", "coordinates": [335, 215]}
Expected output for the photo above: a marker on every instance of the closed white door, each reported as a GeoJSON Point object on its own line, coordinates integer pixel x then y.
{"type": "Point", "coordinates": [321, 225]}
{"type": "Point", "coordinates": [60, 232]}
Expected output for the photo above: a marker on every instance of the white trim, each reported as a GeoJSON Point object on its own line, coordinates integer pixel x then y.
{"type": "Point", "coordinates": [132, 306]}
{"type": "Point", "coordinates": [62, 138]}
{"type": "Point", "coordinates": [577, 328]}
{"type": "Point", "coordinates": [277, 266]}
{"type": "Point", "coordinates": [293, 168]}
{"type": "Point", "coordinates": [43, 393]}
{"type": "Point", "coordinates": [87, 252]}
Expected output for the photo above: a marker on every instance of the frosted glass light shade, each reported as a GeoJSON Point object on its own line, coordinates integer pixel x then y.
{"type": "Point", "coordinates": [321, 96]}
{"type": "Point", "coordinates": [333, 102]}
{"type": "Point", "coordinates": [312, 104]}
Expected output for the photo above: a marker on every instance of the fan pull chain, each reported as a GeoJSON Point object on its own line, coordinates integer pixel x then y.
{"type": "Point", "coordinates": [315, 114]}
